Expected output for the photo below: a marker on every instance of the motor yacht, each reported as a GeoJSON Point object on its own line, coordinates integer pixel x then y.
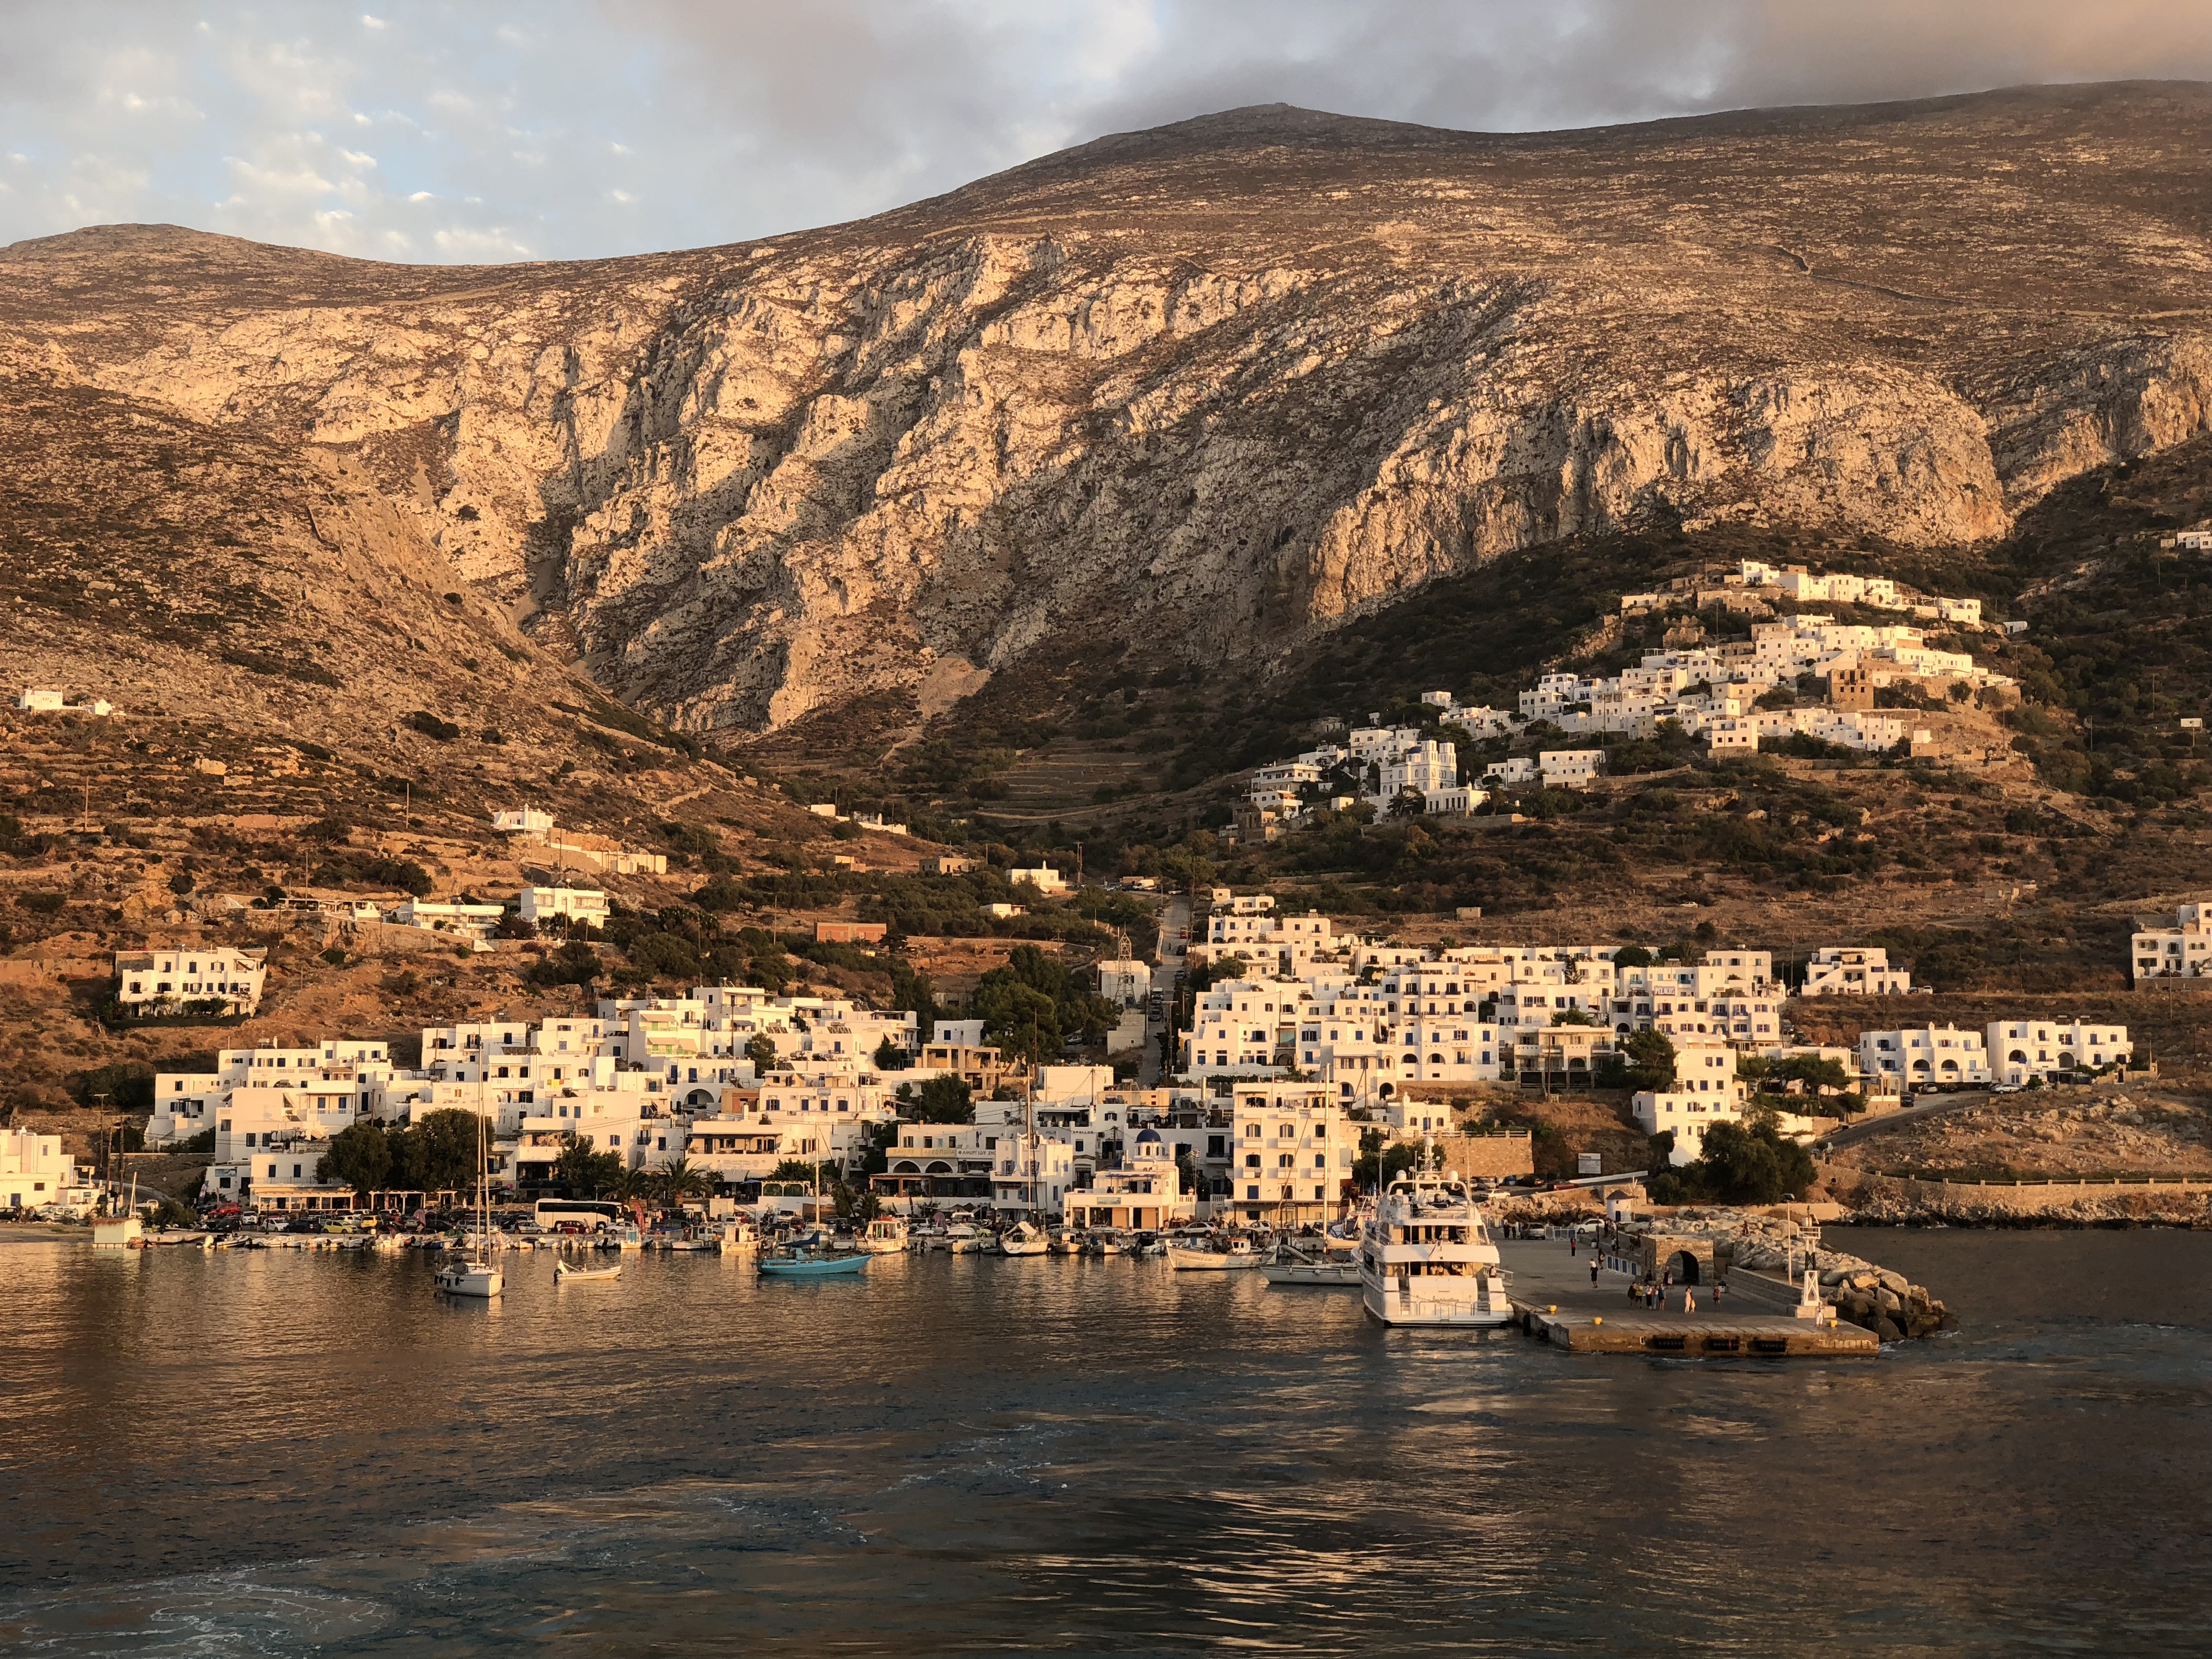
{"type": "Point", "coordinates": [1428, 1258]}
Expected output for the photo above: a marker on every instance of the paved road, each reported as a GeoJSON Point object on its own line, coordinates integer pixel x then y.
{"type": "Point", "coordinates": [1175, 927]}
{"type": "Point", "coordinates": [1851, 1133]}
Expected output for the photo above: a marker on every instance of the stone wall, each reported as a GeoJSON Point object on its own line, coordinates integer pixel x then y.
{"type": "Point", "coordinates": [1491, 1156]}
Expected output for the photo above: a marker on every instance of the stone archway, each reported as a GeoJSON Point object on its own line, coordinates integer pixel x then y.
{"type": "Point", "coordinates": [1687, 1255]}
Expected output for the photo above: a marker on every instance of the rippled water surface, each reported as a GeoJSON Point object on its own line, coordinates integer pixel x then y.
{"type": "Point", "coordinates": [275, 1453]}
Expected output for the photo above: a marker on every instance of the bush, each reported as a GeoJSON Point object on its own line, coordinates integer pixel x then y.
{"type": "Point", "coordinates": [430, 726]}
{"type": "Point", "coordinates": [42, 904]}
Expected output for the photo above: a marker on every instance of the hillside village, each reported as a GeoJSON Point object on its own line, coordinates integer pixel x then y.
{"type": "Point", "coordinates": [1261, 1053]}
{"type": "Point", "coordinates": [1801, 683]}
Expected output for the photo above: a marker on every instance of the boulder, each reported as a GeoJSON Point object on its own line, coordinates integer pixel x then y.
{"type": "Point", "coordinates": [1887, 1330]}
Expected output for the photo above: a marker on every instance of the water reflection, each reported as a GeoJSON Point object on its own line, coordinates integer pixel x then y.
{"type": "Point", "coordinates": [266, 1452]}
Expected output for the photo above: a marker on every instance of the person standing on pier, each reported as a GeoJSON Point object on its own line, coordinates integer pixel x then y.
{"type": "Point", "coordinates": [1593, 1273]}
{"type": "Point", "coordinates": [1689, 1300]}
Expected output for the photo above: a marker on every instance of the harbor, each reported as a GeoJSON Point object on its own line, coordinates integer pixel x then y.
{"type": "Point", "coordinates": [1556, 1301]}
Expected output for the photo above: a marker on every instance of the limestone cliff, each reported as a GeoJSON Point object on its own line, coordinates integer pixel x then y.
{"type": "Point", "coordinates": [1213, 387]}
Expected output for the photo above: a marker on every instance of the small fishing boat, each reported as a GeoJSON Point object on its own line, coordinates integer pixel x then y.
{"type": "Point", "coordinates": [565, 1271]}
{"type": "Point", "coordinates": [1105, 1244]}
{"type": "Point", "coordinates": [1236, 1253]}
{"type": "Point", "coordinates": [966, 1240]}
{"type": "Point", "coordinates": [740, 1237]}
{"type": "Point", "coordinates": [1292, 1266]}
{"type": "Point", "coordinates": [806, 1264]}
{"type": "Point", "coordinates": [1025, 1239]}
{"type": "Point", "coordinates": [886, 1235]}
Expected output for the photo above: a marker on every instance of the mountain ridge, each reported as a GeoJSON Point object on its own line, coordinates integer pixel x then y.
{"type": "Point", "coordinates": [1205, 391]}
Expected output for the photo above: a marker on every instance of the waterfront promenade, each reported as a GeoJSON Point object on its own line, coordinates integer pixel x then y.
{"type": "Point", "coordinates": [1554, 1301]}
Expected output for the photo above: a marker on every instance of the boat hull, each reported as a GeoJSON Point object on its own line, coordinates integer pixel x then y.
{"type": "Point", "coordinates": [1207, 1261]}
{"type": "Point", "coordinates": [1340, 1275]}
{"type": "Point", "coordinates": [1019, 1247]}
{"type": "Point", "coordinates": [471, 1281]}
{"type": "Point", "coordinates": [563, 1271]}
{"type": "Point", "coordinates": [849, 1264]}
{"type": "Point", "coordinates": [1391, 1305]}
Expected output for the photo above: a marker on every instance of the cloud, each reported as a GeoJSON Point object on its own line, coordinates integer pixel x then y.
{"type": "Point", "coordinates": [615, 125]}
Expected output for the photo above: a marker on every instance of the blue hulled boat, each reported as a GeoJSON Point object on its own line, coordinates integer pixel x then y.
{"type": "Point", "coordinates": [806, 1264]}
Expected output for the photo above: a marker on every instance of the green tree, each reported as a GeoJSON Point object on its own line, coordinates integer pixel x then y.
{"type": "Point", "coordinates": [574, 963]}
{"type": "Point", "coordinates": [680, 1179]}
{"type": "Point", "coordinates": [889, 1056]}
{"type": "Point", "coordinates": [585, 1172]}
{"type": "Point", "coordinates": [761, 1050]}
{"type": "Point", "coordinates": [361, 1155]}
{"type": "Point", "coordinates": [939, 1100]}
{"type": "Point", "coordinates": [1650, 1057]}
{"type": "Point", "coordinates": [1020, 1020]}
{"type": "Point", "coordinates": [1748, 1163]}
{"type": "Point", "coordinates": [793, 1169]}
{"type": "Point", "coordinates": [440, 1153]}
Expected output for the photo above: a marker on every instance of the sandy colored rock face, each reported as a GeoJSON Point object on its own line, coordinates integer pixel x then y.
{"type": "Point", "coordinates": [1215, 388]}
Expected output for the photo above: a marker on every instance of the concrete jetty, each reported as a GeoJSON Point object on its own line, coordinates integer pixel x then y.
{"type": "Point", "coordinates": [1552, 1300]}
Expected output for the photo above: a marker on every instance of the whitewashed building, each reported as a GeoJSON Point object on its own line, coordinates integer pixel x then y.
{"type": "Point", "coordinates": [2027, 1050]}
{"type": "Point", "coordinates": [163, 980]}
{"type": "Point", "coordinates": [2181, 952]}
{"type": "Point", "coordinates": [1854, 970]}
{"type": "Point", "coordinates": [1917, 1057]}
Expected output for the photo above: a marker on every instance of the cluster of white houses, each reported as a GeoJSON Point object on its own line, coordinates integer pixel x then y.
{"type": "Point", "coordinates": [2173, 957]}
{"type": "Point", "coordinates": [1711, 691]}
{"type": "Point", "coordinates": [1364, 1020]}
{"type": "Point", "coordinates": [654, 1080]}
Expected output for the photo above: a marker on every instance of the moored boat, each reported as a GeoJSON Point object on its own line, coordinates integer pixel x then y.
{"type": "Point", "coordinates": [476, 1277]}
{"type": "Point", "coordinates": [1231, 1254]}
{"type": "Point", "coordinates": [1428, 1258]}
{"type": "Point", "coordinates": [885, 1235]}
{"type": "Point", "coordinates": [806, 1264]}
{"type": "Point", "coordinates": [1292, 1265]}
{"type": "Point", "coordinates": [563, 1271]}
{"type": "Point", "coordinates": [1025, 1238]}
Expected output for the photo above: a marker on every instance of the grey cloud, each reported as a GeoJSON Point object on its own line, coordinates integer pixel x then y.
{"type": "Point", "coordinates": [449, 131]}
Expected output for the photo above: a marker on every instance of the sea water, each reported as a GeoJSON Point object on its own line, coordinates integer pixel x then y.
{"type": "Point", "coordinates": [272, 1452]}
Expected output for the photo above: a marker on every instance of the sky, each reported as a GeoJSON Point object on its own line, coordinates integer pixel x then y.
{"type": "Point", "coordinates": [429, 131]}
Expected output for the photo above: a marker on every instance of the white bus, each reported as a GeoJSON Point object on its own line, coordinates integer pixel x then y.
{"type": "Point", "coordinates": [593, 1214]}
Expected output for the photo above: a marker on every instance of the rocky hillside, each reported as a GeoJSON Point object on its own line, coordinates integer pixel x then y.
{"type": "Point", "coordinates": [1205, 390]}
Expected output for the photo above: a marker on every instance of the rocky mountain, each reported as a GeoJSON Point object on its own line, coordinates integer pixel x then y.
{"type": "Point", "coordinates": [1207, 392]}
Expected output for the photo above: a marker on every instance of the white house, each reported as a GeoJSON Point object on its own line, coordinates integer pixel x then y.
{"type": "Point", "coordinates": [1570, 768]}
{"type": "Point", "coordinates": [34, 1171]}
{"type": "Point", "coordinates": [2181, 952]}
{"type": "Point", "coordinates": [162, 980]}
{"type": "Point", "coordinates": [1705, 1092]}
{"type": "Point", "coordinates": [1042, 876]}
{"type": "Point", "coordinates": [1142, 1192]}
{"type": "Point", "coordinates": [522, 821]}
{"type": "Point", "coordinates": [1917, 1057]}
{"type": "Point", "coordinates": [586, 904]}
{"type": "Point", "coordinates": [1847, 970]}
{"type": "Point", "coordinates": [473, 921]}
{"type": "Point", "coordinates": [2024, 1050]}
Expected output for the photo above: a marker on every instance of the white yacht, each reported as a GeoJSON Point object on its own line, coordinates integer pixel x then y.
{"type": "Point", "coordinates": [1428, 1258]}
{"type": "Point", "coordinates": [1025, 1238]}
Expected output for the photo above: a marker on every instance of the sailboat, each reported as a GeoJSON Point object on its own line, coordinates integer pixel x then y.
{"type": "Point", "coordinates": [478, 1277]}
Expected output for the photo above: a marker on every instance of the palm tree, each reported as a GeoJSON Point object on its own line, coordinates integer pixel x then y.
{"type": "Point", "coordinates": [680, 1178]}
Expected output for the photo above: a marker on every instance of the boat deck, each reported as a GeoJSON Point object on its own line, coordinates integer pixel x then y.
{"type": "Point", "coordinates": [1553, 1301]}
